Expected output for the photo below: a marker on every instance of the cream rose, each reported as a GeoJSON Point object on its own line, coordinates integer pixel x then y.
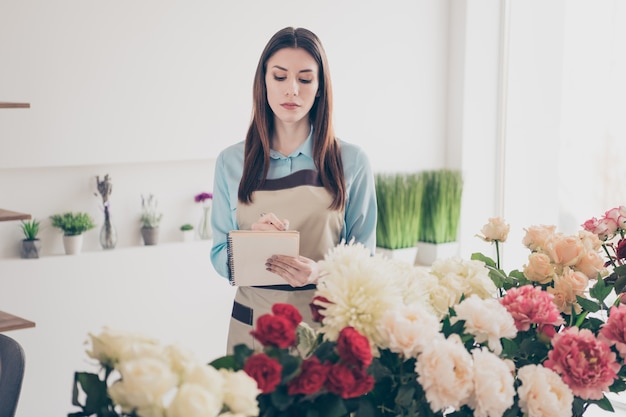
{"type": "Point", "coordinates": [207, 377]}
{"type": "Point", "coordinates": [539, 268]}
{"type": "Point", "coordinates": [536, 236]}
{"type": "Point", "coordinates": [192, 400]}
{"type": "Point", "coordinates": [112, 346]}
{"type": "Point", "coordinates": [543, 393]}
{"type": "Point", "coordinates": [495, 229]}
{"type": "Point", "coordinates": [240, 392]}
{"type": "Point", "coordinates": [564, 250]}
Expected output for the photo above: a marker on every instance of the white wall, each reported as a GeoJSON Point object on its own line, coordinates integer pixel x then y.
{"type": "Point", "coordinates": [149, 92]}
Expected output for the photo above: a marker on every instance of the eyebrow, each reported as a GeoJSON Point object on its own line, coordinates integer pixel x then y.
{"type": "Point", "coordinates": [285, 69]}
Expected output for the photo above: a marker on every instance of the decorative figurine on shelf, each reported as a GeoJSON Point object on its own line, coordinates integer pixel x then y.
{"type": "Point", "coordinates": [108, 233]}
{"type": "Point", "coordinates": [204, 227]}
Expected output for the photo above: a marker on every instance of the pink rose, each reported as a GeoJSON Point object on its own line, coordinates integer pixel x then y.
{"type": "Point", "coordinates": [612, 219]}
{"type": "Point", "coordinates": [613, 332]}
{"type": "Point", "coordinates": [536, 236]}
{"type": "Point", "coordinates": [539, 268]}
{"type": "Point", "coordinates": [621, 220]}
{"type": "Point", "coordinates": [531, 305]}
{"type": "Point", "coordinates": [587, 365]}
{"type": "Point", "coordinates": [590, 264]}
{"type": "Point", "coordinates": [564, 250]}
{"type": "Point", "coordinates": [496, 229]}
{"type": "Point", "coordinates": [597, 227]}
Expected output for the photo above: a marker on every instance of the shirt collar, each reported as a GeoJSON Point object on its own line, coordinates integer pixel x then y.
{"type": "Point", "coordinates": [305, 149]}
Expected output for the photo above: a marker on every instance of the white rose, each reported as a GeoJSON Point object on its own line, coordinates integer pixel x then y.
{"type": "Point", "coordinates": [144, 383]}
{"type": "Point", "coordinates": [240, 392]}
{"type": "Point", "coordinates": [487, 320]}
{"type": "Point", "coordinates": [182, 359]}
{"type": "Point", "coordinates": [495, 229]}
{"type": "Point", "coordinates": [112, 346]}
{"type": "Point", "coordinates": [543, 393]}
{"type": "Point", "coordinates": [445, 373]}
{"type": "Point", "coordinates": [207, 377]}
{"type": "Point", "coordinates": [192, 400]}
{"type": "Point", "coordinates": [494, 389]}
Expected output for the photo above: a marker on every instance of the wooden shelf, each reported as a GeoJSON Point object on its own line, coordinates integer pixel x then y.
{"type": "Point", "coordinates": [11, 322]}
{"type": "Point", "coordinates": [8, 215]}
{"type": "Point", "coordinates": [8, 105]}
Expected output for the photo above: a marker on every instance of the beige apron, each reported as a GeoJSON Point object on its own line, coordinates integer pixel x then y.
{"type": "Point", "coordinates": [301, 199]}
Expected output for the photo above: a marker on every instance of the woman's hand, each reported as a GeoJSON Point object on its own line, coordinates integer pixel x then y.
{"type": "Point", "coordinates": [297, 271]}
{"type": "Point", "coordinates": [269, 221]}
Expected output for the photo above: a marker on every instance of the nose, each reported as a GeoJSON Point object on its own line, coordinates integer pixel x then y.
{"type": "Point", "coordinates": [292, 89]}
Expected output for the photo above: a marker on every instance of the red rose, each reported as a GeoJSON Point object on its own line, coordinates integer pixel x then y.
{"type": "Point", "coordinates": [289, 312]}
{"type": "Point", "coordinates": [311, 378]}
{"type": "Point", "coordinates": [276, 331]}
{"type": "Point", "coordinates": [621, 249]}
{"type": "Point", "coordinates": [316, 309]}
{"type": "Point", "coordinates": [354, 348]}
{"type": "Point", "coordinates": [264, 370]}
{"type": "Point", "coordinates": [348, 382]}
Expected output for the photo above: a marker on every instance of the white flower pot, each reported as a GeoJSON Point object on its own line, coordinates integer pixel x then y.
{"type": "Point", "coordinates": [404, 254]}
{"type": "Point", "coordinates": [427, 253]}
{"type": "Point", "coordinates": [188, 235]}
{"type": "Point", "coordinates": [73, 244]}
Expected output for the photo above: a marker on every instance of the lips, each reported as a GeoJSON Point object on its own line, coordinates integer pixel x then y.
{"type": "Point", "coordinates": [290, 106]}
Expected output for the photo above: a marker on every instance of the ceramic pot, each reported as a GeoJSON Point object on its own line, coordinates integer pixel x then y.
{"type": "Point", "coordinates": [30, 248]}
{"type": "Point", "coordinates": [73, 244]}
{"type": "Point", "coordinates": [150, 235]}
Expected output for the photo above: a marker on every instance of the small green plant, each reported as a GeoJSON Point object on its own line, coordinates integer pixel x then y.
{"type": "Point", "coordinates": [30, 229]}
{"type": "Point", "coordinates": [441, 206]}
{"type": "Point", "coordinates": [72, 224]}
{"type": "Point", "coordinates": [150, 216]}
{"type": "Point", "coordinates": [399, 199]}
{"type": "Point", "coordinates": [186, 227]}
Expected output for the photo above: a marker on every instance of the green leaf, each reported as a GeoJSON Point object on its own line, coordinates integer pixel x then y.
{"type": "Point", "coordinates": [620, 283]}
{"type": "Point", "coordinates": [95, 392]}
{"type": "Point", "coordinates": [477, 256]}
{"type": "Point", "coordinates": [587, 304]}
{"type": "Point", "coordinates": [225, 362]}
{"type": "Point", "coordinates": [603, 403]}
{"type": "Point", "coordinates": [600, 291]}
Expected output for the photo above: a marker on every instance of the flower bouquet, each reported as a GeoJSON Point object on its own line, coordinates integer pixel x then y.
{"type": "Point", "coordinates": [139, 377]}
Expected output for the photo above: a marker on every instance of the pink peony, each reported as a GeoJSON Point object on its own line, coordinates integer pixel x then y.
{"type": "Point", "coordinates": [587, 365]}
{"type": "Point", "coordinates": [613, 331]}
{"type": "Point", "coordinates": [531, 305]}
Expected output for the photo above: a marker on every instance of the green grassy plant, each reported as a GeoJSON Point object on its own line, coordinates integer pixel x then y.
{"type": "Point", "coordinates": [72, 224]}
{"type": "Point", "coordinates": [441, 206]}
{"type": "Point", "coordinates": [399, 198]}
{"type": "Point", "coordinates": [30, 229]}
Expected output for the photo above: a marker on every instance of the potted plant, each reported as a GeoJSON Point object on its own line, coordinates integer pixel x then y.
{"type": "Point", "coordinates": [150, 220]}
{"type": "Point", "coordinates": [187, 232]}
{"type": "Point", "coordinates": [440, 215]}
{"type": "Point", "coordinates": [73, 225]}
{"type": "Point", "coordinates": [31, 243]}
{"type": "Point", "coordinates": [399, 199]}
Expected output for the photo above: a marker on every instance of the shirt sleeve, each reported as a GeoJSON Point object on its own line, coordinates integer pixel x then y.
{"type": "Point", "coordinates": [221, 217]}
{"type": "Point", "coordinates": [361, 208]}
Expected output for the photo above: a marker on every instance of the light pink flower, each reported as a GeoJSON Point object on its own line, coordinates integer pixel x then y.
{"type": "Point", "coordinates": [445, 372]}
{"type": "Point", "coordinates": [564, 295]}
{"type": "Point", "coordinates": [612, 220]}
{"type": "Point", "coordinates": [543, 393]}
{"type": "Point", "coordinates": [590, 264]}
{"type": "Point", "coordinates": [531, 305]}
{"type": "Point", "coordinates": [564, 250]}
{"type": "Point", "coordinates": [536, 236]}
{"type": "Point", "coordinates": [408, 329]}
{"type": "Point", "coordinates": [621, 220]}
{"type": "Point", "coordinates": [493, 384]}
{"type": "Point", "coordinates": [587, 365]}
{"type": "Point", "coordinates": [613, 332]}
{"type": "Point", "coordinates": [597, 227]}
{"type": "Point", "coordinates": [496, 229]}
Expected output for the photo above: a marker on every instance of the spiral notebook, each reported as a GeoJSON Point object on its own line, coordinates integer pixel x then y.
{"type": "Point", "coordinates": [249, 249]}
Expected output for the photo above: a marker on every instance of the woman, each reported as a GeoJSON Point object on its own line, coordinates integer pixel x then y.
{"type": "Point", "coordinates": [290, 173]}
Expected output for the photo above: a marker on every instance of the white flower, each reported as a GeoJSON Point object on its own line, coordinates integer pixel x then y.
{"type": "Point", "coordinates": [192, 400]}
{"type": "Point", "coordinates": [543, 393]}
{"type": "Point", "coordinates": [464, 277]}
{"type": "Point", "coordinates": [446, 373]}
{"type": "Point", "coordinates": [144, 383]}
{"type": "Point", "coordinates": [306, 337]}
{"type": "Point", "coordinates": [494, 389]}
{"type": "Point", "coordinates": [487, 320]}
{"type": "Point", "coordinates": [409, 329]}
{"type": "Point", "coordinates": [417, 283]}
{"type": "Point", "coordinates": [360, 290]}
{"type": "Point", "coordinates": [207, 377]}
{"type": "Point", "coordinates": [240, 392]}
{"type": "Point", "coordinates": [182, 359]}
{"type": "Point", "coordinates": [112, 346]}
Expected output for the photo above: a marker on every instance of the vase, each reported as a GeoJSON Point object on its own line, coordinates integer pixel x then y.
{"type": "Point", "coordinates": [72, 244]}
{"type": "Point", "coordinates": [188, 235]}
{"type": "Point", "coordinates": [108, 233]}
{"type": "Point", "coordinates": [150, 235]}
{"type": "Point", "coordinates": [30, 248]}
{"type": "Point", "coordinates": [204, 226]}
{"type": "Point", "coordinates": [427, 253]}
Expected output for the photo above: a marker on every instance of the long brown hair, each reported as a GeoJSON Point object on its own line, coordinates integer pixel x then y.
{"type": "Point", "coordinates": [326, 151]}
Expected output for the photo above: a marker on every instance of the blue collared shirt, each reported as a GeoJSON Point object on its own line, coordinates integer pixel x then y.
{"type": "Point", "coordinates": [360, 212]}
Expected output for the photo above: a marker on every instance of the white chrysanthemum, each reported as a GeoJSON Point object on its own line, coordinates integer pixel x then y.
{"type": "Point", "coordinates": [144, 383]}
{"type": "Point", "coordinates": [409, 329]}
{"type": "Point", "coordinates": [464, 277]}
{"type": "Point", "coordinates": [240, 393]}
{"type": "Point", "coordinates": [487, 320]}
{"type": "Point", "coordinates": [359, 288]}
{"type": "Point", "coordinates": [445, 371]}
{"type": "Point", "coordinates": [192, 400]}
{"type": "Point", "coordinates": [543, 393]}
{"type": "Point", "coordinates": [494, 389]}
{"type": "Point", "coordinates": [416, 282]}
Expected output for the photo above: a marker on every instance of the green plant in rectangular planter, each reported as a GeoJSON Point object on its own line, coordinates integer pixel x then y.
{"type": "Point", "coordinates": [441, 206]}
{"type": "Point", "coordinates": [399, 199]}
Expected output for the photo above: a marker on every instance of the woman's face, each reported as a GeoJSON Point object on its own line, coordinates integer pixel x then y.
{"type": "Point", "coordinates": [292, 81]}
